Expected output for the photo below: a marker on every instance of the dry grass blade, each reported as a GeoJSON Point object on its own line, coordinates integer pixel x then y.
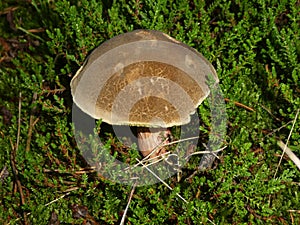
{"type": "Point", "coordinates": [169, 187]}
{"type": "Point", "coordinates": [160, 157]}
{"type": "Point", "coordinates": [162, 181]}
{"type": "Point", "coordinates": [80, 171]}
{"type": "Point", "coordinates": [285, 147]}
{"type": "Point", "coordinates": [181, 140]}
{"type": "Point", "coordinates": [127, 206]}
{"type": "Point", "coordinates": [49, 203]}
{"type": "Point", "coordinates": [294, 211]}
{"type": "Point", "coordinates": [161, 145]}
{"type": "Point", "coordinates": [289, 152]}
{"type": "Point", "coordinates": [269, 111]}
{"type": "Point", "coordinates": [208, 152]}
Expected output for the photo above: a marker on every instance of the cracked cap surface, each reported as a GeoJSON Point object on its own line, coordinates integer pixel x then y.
{"type": "Point", "coordinates": [142, 78]}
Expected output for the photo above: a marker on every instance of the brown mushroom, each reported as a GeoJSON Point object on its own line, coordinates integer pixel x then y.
{"type": "Point", "coordinates": [145, 79]}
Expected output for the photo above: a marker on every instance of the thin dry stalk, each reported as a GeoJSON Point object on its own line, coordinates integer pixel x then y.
{"type": "Point", "coordinates": [208, 152]}
{"type": "Point", "coordinates": [269, 111]}
{"type": "Point", "coordinates": [152, 161]}
{"type": "Point", "coordinates": [49, 203]}
{"type": "Point", "coordinates": [19, 121]}
{"type": "Point", "coordinates": [13, 161]}
{"type": "Point", "coordinates": [284, 150]}
{"type": "Point", "coordinates": [169, 187]}
{"type": "Point", "coordinates": [165, 156]}
{"type": "Point", "coordinates": [161, 157]}
{"type": "Point", "coordinates": [80, 171]}
{"type": "Point", "coordinates": [162, 181]}
{"type": "Point", "coordinates": [155, 149]}
{"type": "Point", "coordinates": [278, 129]}
{"type": "Point", "coordinates": [289, 152]}
{"type": "Point", "coordinates": [179, 141]}
{"type": "Point", "coordinates": [61, 197]}
{"type": "Point", "coordinates": [127, 206]}
{"type": "Point", "coordinates": [294, 210]}
{"type": "Point", "coordinates": [32, 123]}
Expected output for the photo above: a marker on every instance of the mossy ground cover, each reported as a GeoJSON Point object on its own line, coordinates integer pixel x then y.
{"type": "Point", "coordinates": [255, 48]}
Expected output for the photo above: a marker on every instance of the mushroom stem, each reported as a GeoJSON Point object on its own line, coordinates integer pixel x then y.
{"type": "Point", "coordinates": [150, 138]}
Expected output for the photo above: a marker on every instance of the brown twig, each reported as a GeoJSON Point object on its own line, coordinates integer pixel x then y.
{"type": "Point", "coordinates": [240, 105]}
{"type": "Point", "coordinates": [13, 162]}
{"type": "Point", "coordinates": [9, 9]}
{"type": "Point", "coordinates": [36, 30]}
{"type": "Point", "coordinates": [54, 91]}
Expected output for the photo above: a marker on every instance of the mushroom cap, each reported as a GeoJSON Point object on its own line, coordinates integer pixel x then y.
{"type": "Point", "coordinates": [142, 78]}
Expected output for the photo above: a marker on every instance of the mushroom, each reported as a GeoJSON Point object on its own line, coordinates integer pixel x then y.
{"type": "Point", "coordinates": [146, 79]}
